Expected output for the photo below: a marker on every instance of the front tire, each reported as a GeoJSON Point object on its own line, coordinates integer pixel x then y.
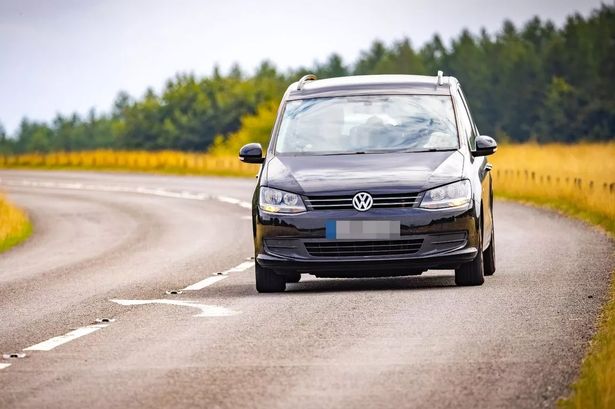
{"type": "Point", "coordinates": [471, 273]}
{"type": "Point", "coordinates": [267, 281]}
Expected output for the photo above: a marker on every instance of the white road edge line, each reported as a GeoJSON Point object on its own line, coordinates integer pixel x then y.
{"type": "Point", "coordinates": [4, 366]}
{"type": "Point", "coordinates": [219, 276]}
{"type": "Point", "coordinates": [63, 339]}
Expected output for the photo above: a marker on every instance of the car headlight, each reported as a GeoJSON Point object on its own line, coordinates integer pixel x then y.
{"type": "Point", "coordinates": [277, 201]}
{"type": "Point", "coordinates": [452, 195]}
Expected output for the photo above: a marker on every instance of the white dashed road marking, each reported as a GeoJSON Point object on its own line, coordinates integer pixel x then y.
{"type": "Point", "coordinates": [3, 365]}
{"type": "Point", "coordinates": [206, 310]}
{"type": "Point", "coordinates": [219, 276]}
{"type": "Point", "coordinates": [63, 339]}
{"type": "Point", "coordinates": [205, 283]}
{"type": "Point", "coordinates": [234, 201]}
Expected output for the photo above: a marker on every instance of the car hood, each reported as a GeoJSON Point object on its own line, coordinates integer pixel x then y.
{"type": "Point", "coordinates": [341, 174]}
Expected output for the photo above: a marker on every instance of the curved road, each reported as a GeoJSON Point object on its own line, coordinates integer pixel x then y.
{"type": "Point", "coordinates": [111, 245]}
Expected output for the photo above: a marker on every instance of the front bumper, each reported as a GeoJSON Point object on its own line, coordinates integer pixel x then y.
{"type": "Point", "coordinates": [446, 239]}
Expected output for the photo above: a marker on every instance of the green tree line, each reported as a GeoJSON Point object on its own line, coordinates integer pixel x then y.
{"type": "Point", "coordinates": [535, 82]}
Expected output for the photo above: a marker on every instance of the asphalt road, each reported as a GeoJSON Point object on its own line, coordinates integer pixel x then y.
{"type": "Point", "coordinates": [111, 245]}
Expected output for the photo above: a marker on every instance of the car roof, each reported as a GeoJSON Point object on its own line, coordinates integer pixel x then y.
{"type": "Point", "coordinates": [371, 84]}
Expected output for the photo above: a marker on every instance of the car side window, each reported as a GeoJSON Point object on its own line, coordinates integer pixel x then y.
{"type": "Point", "coordinates": [465, 101]}
{"type": "Point", "coordinates": [465, 122]}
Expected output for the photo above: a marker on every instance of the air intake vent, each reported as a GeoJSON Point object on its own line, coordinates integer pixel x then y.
{"type": "Point", "coordinates": [363, 248]}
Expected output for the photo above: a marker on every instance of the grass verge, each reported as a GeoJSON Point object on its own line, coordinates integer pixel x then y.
{"type": "Point", "coordinates": [595, 387]}
{"type": "Point", "coordinates": [171, 162]}
{"type": "Point", "coordinates": [578, 181]}
{"type": "Point", "coordinates": [15, 226]}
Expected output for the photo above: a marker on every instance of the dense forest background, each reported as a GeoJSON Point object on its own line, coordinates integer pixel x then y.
{"type": "Point", "coordinates": [536, 82]}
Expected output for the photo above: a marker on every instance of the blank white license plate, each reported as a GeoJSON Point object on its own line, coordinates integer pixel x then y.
{"type": "Point", "coordinates": [362, 229]}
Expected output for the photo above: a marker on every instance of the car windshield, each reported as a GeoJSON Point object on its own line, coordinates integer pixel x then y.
{"type": "Point", "coordinates": [368, 124]}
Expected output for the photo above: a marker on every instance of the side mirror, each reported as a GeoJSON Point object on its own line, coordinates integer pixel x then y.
{"type": "Point", "coordinates": [485, 146]}
{"type": "Point", "coordinates": [251, 153]}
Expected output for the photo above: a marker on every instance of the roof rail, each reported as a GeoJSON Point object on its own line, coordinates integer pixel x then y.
{"type": "Point", "coordinates": [440, 79]}
{"type": "Point", "coordinates": [304, 79]}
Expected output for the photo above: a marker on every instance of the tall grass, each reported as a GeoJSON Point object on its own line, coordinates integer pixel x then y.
{"type": "Point", "coordinates": [578, 180]}
{"type": "Point", "coordinates": [14, 225]}
{"type": "Point", "coordinates": [141, 161]}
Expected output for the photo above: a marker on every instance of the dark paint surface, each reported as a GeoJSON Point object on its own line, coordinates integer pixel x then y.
{"type": "Point", "coordinates": [391, 172]}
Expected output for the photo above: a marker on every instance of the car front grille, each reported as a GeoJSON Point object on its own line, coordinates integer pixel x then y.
{"type": "Point", "coordinates": [345, 202]}
{"type": "Point", "coordinates": [363, 248]}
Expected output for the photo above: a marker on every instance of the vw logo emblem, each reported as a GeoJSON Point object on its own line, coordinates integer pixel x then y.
{"type": "Point", "coordinates": [362, 201]}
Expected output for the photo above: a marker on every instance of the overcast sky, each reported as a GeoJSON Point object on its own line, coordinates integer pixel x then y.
{"type": "Point", "coordinates": [71, 55]}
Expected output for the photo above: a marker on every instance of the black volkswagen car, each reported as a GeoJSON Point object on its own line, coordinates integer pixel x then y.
{"type": "Point", "coordinates": [373, 176]}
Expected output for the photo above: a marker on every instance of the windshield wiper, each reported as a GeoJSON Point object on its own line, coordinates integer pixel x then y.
{"type": "Point", "coordinates": [428, 150]}
{"type": "Point", "coordinates": [342, 153]}
{"type": "Point", "coordinates": [380, 151]}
